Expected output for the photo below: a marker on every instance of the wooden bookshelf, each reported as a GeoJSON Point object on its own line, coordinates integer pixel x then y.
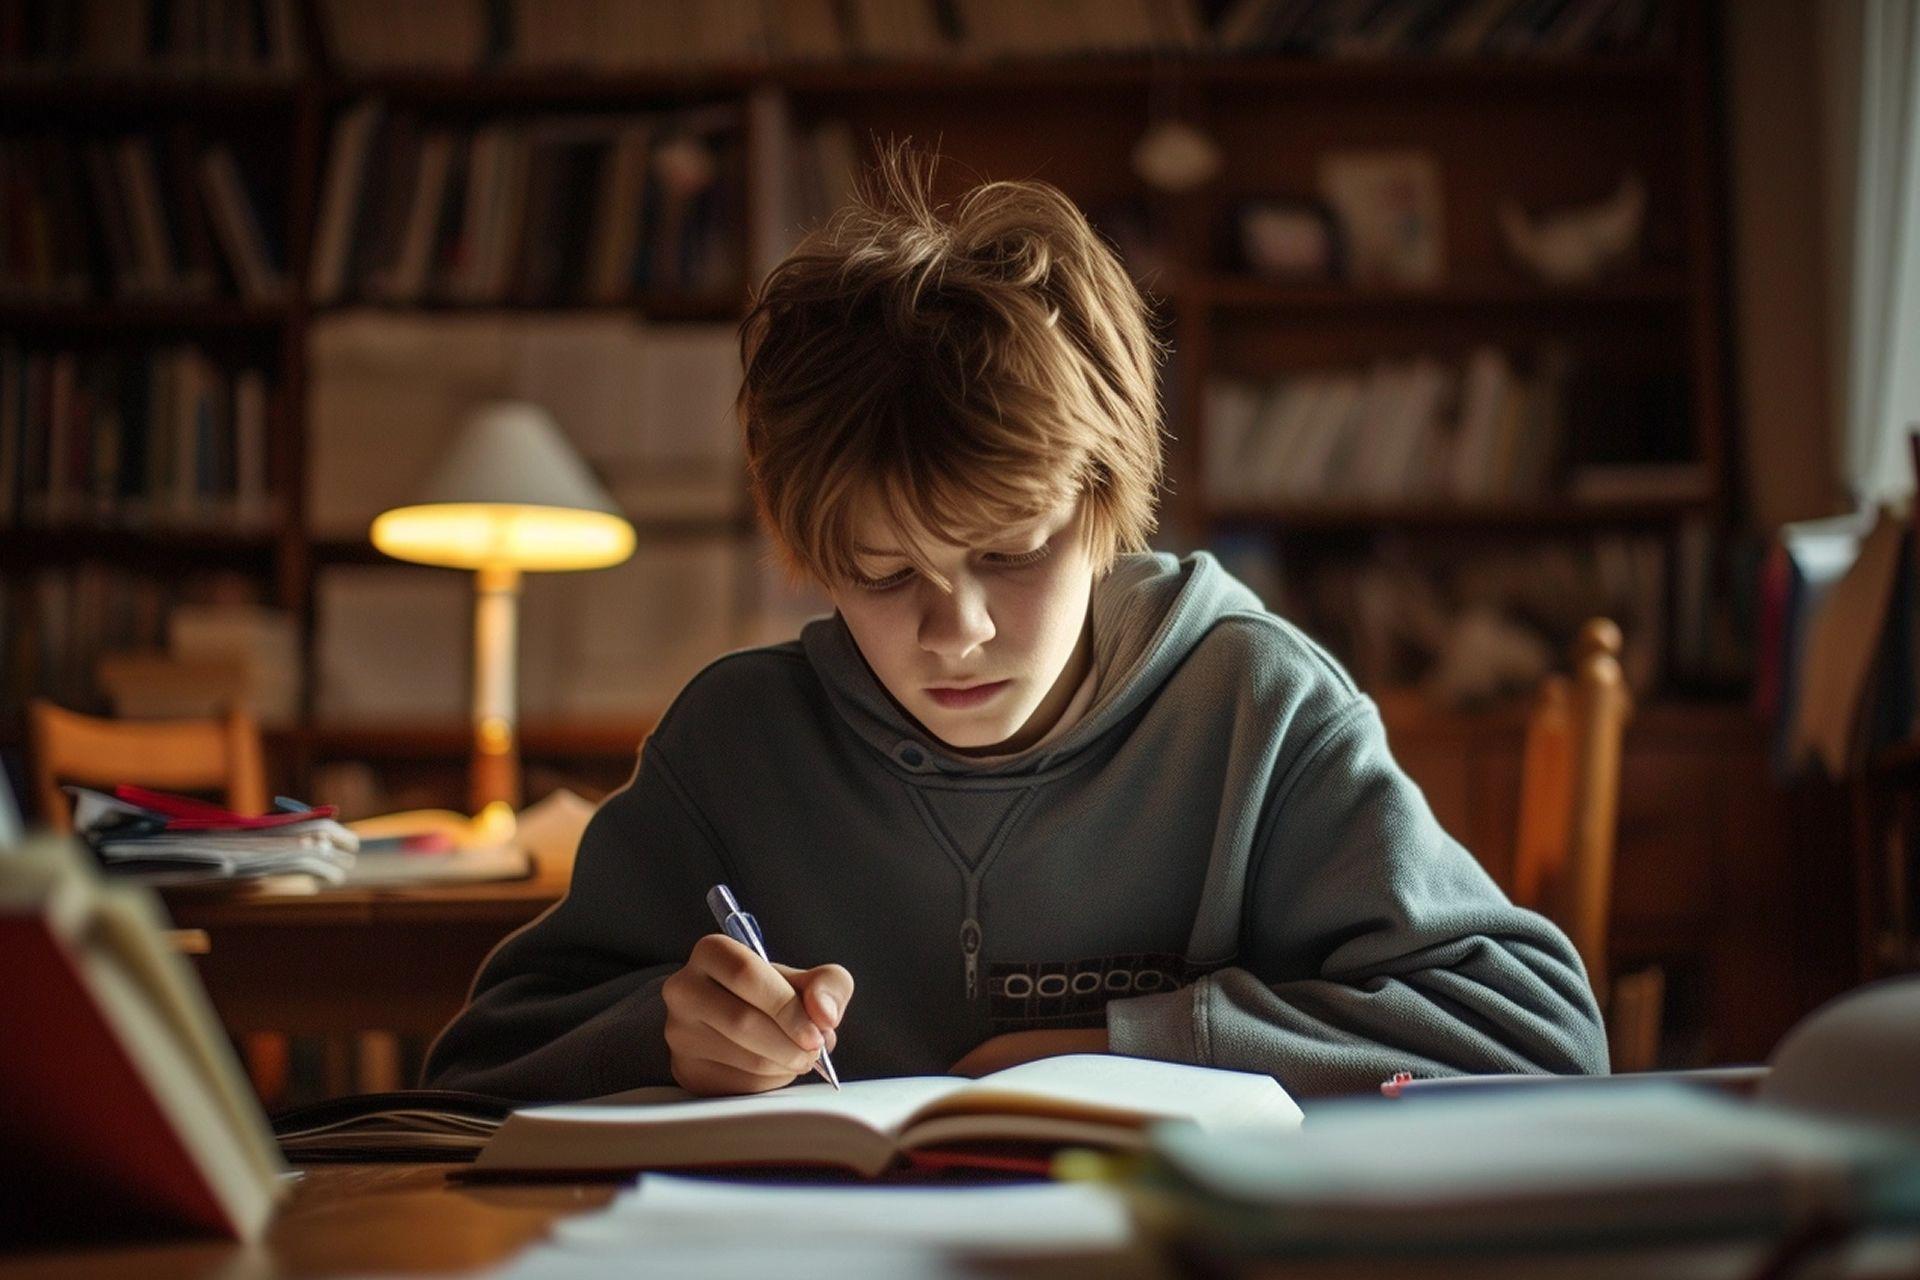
{"type": "Point", "coordinates": [1492, 122]}
{"type": "Point", "coordinates": [1697, 836]}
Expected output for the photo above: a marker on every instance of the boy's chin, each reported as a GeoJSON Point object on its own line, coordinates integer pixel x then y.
{"type": "Point", "coordinates": [962, 734]}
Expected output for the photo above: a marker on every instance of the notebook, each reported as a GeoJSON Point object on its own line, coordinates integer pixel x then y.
{"type": "Point", "coordinates": [1003, 1120]}
{"type": "Point", "coordinates": [126, 1104]}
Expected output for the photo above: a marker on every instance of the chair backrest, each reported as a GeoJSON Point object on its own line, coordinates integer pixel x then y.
{"type": "Point", "coordinates": [1570, 796]}
{"type": "Point", "coordinates": [222, 754]}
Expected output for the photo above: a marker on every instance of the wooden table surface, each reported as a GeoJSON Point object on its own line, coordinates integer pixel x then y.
{"type": "Point", "coordinates": [367, 1220]}
{"type": "Point", "coordinates": [355, 959]}
{"type": "Point", "coordinates": [364, 1220]}
{"type": "Point", "coordinates": [347, 1220]}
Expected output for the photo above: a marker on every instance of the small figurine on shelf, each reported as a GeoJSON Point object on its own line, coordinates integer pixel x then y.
{"type": "Point", "coordinates": [1574, 245]}
{"type": "Point", "coordinates": [1173, 156]}
{"type": "Point", "coordinates": [1391, 211]}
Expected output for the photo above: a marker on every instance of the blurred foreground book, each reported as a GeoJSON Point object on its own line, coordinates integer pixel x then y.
{"type": "Point", "coordinates": [140, 1121]}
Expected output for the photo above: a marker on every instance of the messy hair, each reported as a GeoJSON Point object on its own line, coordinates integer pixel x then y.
{"type": "Point", "coordinates": [968, 370]}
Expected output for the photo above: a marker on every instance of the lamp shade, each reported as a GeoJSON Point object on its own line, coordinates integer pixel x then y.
{"type": "Point", "coordinates": [511, 493]}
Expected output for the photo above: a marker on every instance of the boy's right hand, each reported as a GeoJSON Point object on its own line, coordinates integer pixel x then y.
{"type": "Point", "coordinates": [736, 1024]}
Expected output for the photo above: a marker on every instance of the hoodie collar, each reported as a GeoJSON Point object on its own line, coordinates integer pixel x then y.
{"type": "Point", "coordinates": [1148, 613]}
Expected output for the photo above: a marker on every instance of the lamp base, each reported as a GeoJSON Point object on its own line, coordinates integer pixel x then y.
{"type": "Point", "coordinates": [495, 773]}
{"type": "Point", "coordinates": [495, 776]}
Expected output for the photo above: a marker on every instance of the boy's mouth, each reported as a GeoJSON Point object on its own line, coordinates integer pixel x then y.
{"type": "Point", "coordinates": [955, 698]}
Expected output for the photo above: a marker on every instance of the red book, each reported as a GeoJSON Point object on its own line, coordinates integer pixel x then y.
{"type": "Point", "coordinates": [185, 813]}
{"type": "Point", "coordinates": [128, 1112]}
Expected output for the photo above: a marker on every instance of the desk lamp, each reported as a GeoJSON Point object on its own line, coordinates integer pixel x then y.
{"type": "Point", "coordinates": [510, 497]}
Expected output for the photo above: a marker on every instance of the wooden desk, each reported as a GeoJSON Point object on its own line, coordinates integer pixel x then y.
{"type": "Point", "coordinates": [409, 1219]}
{"type": "Point", "coordinates": [349, 960]}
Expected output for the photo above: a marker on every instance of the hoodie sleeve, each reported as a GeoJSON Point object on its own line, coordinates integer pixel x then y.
{"type": "Point", "coordinates": [569, 1006]}
{"type": "Point", "coordinates": [1372, 942]}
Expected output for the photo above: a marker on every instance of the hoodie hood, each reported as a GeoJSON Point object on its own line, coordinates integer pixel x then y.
{"type": "Point", "coordinates": [1149, 612]}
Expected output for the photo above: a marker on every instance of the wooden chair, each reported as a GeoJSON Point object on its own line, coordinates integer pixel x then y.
{"type": "Point", "coordinates": [1569, 808]}
{"type": "Point", "coordinates": [193, 755]}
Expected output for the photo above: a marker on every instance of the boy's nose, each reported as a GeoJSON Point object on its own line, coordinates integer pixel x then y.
{"type": "Point", "coordinates": [955, 623]}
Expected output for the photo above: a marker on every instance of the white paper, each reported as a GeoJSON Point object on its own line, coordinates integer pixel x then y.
{"type": "Point", "coordinates": [1026, 1217]}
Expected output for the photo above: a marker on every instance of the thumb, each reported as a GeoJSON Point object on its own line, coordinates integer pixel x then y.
{"type": "Point", "coordinates": [825, 991]}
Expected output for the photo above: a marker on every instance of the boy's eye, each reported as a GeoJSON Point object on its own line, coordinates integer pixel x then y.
{"type": "Point", "coordinates": [1019, 560]}
{"type": "Point", "coordinates": [999, 560]}
{"type": "Point", "coordinates": [893, 579]}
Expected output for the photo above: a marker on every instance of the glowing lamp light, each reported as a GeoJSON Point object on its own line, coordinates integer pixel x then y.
{"type": "Point", "coordinates": [510, 497]}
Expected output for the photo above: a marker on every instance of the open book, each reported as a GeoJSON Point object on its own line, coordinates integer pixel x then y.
{"type": "Point", "coordinates": [1079, 1100]}
{"type": "Point", "coordinates": [125, 1102]}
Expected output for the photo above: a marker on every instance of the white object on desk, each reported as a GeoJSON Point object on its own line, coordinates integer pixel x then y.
{"type": "Point", "coordinates": [1025, 1218]}
{"type": "Point", "coordinates": [455, 866]}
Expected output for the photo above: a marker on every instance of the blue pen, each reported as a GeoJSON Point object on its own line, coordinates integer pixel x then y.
{"type": "Point", "coordinates": [745, 930]}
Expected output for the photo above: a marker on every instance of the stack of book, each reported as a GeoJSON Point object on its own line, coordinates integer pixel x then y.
{"type": "Point", "coordinates": [1445, 28]}
{"type": "Point", "coordinates": [159, 838]}
{"type": "Point", "coordinates": [229, 38]}
{"type": "Point", "coordinates": [57, 621]}
{"type": "Point", "coordinates": [1494, 430]}
{"type": "Point", "coordinates": [169, 436]}
{"type": "Point", "coordinates": [558, 209]}
{"type": "Point", "coordinates": [612, 35]}
{"type": "Point", "coordinates": [1403, 429]}
{"type": "Point", "coordinates": [132, 217]}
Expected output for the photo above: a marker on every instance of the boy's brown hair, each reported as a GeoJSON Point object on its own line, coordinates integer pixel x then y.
{"type": "Point", "coordinates": [968, 370]}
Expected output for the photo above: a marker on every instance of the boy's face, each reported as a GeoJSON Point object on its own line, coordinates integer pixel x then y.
{"type": "Point", "coordinates": [990, 665]}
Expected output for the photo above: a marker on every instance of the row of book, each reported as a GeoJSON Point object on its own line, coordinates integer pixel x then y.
{"type": "Point", "coordinates": [1468, 626]}
{"type": "Point", "coordinates": [1422, 430]}
{"type": "Point", "coordinates": [166, 438]}
{"type": "Point", "coordinates": [151, 37]}
{"type": "Point", "coordinates": [545, 210]}
{"type": "Point", "coordinates": [613, 35]}
{"type": "Point", "coordinates": [366, 35]}
{"type": "Point", "coordinates": [57, 621]}
{"type": "Point", "coordinates": [1446, 28]}
{"type": "Point", "coordinates": [131, 217]}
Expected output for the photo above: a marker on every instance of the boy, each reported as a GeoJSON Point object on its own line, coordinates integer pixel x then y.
{"type": "Point", "coordinates": [1036, 791]}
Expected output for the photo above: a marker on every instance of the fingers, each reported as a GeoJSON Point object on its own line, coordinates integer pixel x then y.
{"type": "Point", "coordinates": [704, 1041]}
{"type": "Point", "coordinates": [758, 985]}
{"type": "Point", "coordinates": [736, 1024]}
{"type": "Point", "coordinates": [825, 990]}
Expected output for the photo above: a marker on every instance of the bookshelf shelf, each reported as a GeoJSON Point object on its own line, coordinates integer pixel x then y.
{"type": "Point", "coordinates": [198, 316]}
{"type": "Point", "coordinates": [1232, 293]}
{"type": "Point", "coordinates": [657, 307]}
{"type": "Point", "coordinates": [28, 546]}
{"type": "Point", "coordinates": [1450, 515]}
{"type": "Point", "coordinates": [68, 92]}
{"type": "Point", "coordinates": [523, 86]}
{"type": "Point", "coordinates": [1418, 75]}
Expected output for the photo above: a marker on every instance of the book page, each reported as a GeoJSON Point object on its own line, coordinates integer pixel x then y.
{"type": "Point", "coordinates": [1133, 1091]}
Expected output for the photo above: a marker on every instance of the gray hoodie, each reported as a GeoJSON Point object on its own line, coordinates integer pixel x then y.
{"type": "Point", "coordinates": [1220, 861]}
